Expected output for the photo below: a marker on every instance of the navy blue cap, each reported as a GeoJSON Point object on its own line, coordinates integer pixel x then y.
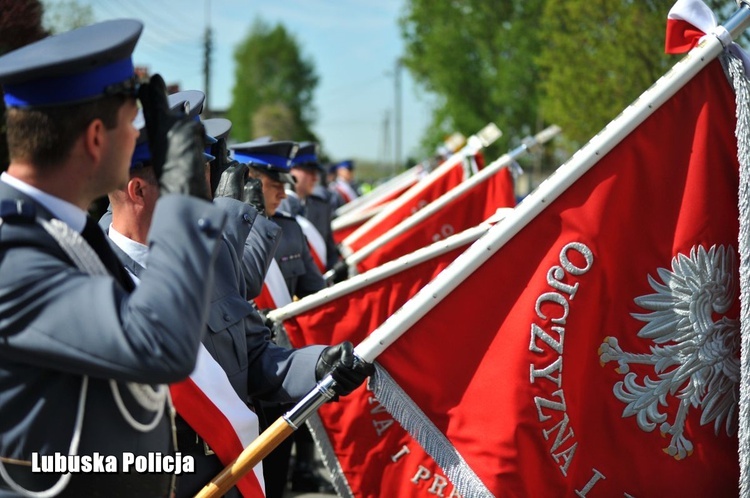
{"type": "Point", "coordinates": [348, 164]}
{"type": "Point", "coordinates": [72, 67]}
{"type": "Point", "coordinates": [190, 101]}
{"type": "Point", "coordinates": [218, 128]}
{"type": "Point", "coordinates": [273, 158]}
{"type": "Point", "coordinates": [307, 157]}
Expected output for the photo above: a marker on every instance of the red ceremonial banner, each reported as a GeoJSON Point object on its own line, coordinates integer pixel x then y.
{"type": "Point", "coordinates": [415, 198]}
{"type": "Point", "coordinates": [596, 353]}
{"type": "Point", "coordinates": [377, 455]}
{"type": "Point", "coordinates": [467, 210]}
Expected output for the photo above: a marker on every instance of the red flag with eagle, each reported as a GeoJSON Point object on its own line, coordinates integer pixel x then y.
{"type": "Point", "coordinates": [596, 351]}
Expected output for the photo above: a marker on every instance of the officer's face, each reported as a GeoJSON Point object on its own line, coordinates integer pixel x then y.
{"type": "Point", "coordinates": [119, 150]}
{"type": "Point", "coordinates": [306, 181]}
{"type": "Point", "coordinates": [273, 193]}
{"type": "Point", "coordinates": [344, 174]}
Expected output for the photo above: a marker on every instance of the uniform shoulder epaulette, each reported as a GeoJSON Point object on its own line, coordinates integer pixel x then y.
{"type": "Point", "coordinates": [17, 211]}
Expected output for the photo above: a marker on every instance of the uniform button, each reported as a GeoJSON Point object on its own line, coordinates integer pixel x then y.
{"type": "Point", "coordinates": [207, 227]}
{"type": "Point", "coordinates": [246, 218]}
{"type": "Point", "coordinates": [226, 317]}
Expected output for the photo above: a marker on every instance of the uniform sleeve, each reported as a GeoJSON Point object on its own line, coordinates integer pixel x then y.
{"type": "Point", "coordinates": [56, 317]}
{"type": "Point", "coordinates": [260, 246]}
{"type": "Point", "coordinates": [277, 373]}
{"type": "Point", "coordinates": [240, 219]}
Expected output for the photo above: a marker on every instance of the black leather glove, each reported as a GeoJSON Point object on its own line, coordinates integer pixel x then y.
{"type": "Point", "coordinates": [340, 271]}
{"type": "Point", "coordinates": [184, 170]}
{"type": "Point", "coordinates": [176, 143]}
{"type": "Point", "coordinates": [348, 371]}
{"type": "Point", "coordinates": [253, 195]}
{"type": "Point", "coordinates": [232, 181]}
{"type": "Point", "coordinates": [159, 119]}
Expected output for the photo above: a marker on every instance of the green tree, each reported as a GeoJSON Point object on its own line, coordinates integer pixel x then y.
{"type": "Point", "coordinates": [599, 56]}
{"type": "Point", "coordinates": [476, 56]}
{"type": "Point", "coordinates": [271, 71]}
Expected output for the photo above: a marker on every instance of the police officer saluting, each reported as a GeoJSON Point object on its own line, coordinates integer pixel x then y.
{"type": "Point", "coordinates": [84, 355]}
{"type": "Point", "coordinates": [269, 161]}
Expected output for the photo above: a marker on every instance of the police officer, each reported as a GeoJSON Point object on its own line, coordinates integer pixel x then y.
{"type": "Point", "coordinates": [83, 354]}
{"type": "Point", "coordinates": [237, 338]}
{"type": "Point", "coordinates": [305, 199]}
{"type": "Point", "coordinates": [344, 184]}
{"type": "Point", "coordinates": [265, 235]}
{"type": "Point", "coordinates": [269, 161]}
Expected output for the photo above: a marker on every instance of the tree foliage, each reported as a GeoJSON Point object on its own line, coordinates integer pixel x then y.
{"type": "Point", "coordinates": [600, 55]}
{"type": "Point", "coordinates": [476, 56]}
{"type": "Point", "coordinates": [526, 64]}
{"type": "Point", "coordinates": [66, 15]}
{"type": "Point", "coordinates": [273, 81]}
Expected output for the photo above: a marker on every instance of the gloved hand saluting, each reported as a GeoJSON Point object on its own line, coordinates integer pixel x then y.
{"type": "Point", "coordinates": [235, 183]}
{"type": "Point", "coordinates": [232, 181]}
{"type": "Point", "coordinates": [176, 143]}
{"type": "Point", "coordinates": [348, 371]}
{"type": "Point", "coordinates": [253, 195]}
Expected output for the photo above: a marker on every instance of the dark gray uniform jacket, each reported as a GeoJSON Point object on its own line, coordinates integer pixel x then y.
{"type": "Point", "coordinates": [319, 212]}
{"type": "Point", "coordinates": [237, 337]}
{"type": "Point", "coordinates": [295, 261]}
{"type": "Point", "coordinates": [58, 324]}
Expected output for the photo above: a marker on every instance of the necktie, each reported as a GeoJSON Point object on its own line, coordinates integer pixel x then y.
{"type": "Point", "coordinates": [98, 242]}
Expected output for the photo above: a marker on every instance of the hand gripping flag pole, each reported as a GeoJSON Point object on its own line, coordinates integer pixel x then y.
{"type": "Point", "coordinates": [426, 299]}
{"type": "Point", "coordinates": [426, 212]}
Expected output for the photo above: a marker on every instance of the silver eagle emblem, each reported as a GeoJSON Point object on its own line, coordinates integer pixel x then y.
{"type": "Point", "coordinates": [695, 351]}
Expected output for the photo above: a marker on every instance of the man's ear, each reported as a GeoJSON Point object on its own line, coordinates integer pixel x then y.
{"type": "Point", "coordinates": [136, 190]}
{"type": "Point", "coordinates": [93, 139]}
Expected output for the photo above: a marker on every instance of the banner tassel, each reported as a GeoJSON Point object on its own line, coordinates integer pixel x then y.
{"type": "Point", "coordinates": [733, 65]}
{"type": "Point", "coordinates": [415, 422]}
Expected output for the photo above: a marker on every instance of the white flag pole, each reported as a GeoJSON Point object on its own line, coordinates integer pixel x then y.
{"type": "Point", "coordinates": [479, 252]}
{"type": "Point", "coordinates": [401, 180]}
{"type": "Point", "coordinates": [426, 212]}
{"type": "Point", "coordinates": [356, 217]}
{"type": "Point", "coordinates": [386, 270]}
{"type": "Point", "coordinates": [427, 298]}
{"type": "Point", "coordinates": [474, 144]}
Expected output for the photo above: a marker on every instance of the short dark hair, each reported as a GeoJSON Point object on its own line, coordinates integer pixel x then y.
{"type": "Point", "coordinates": [45, 136]}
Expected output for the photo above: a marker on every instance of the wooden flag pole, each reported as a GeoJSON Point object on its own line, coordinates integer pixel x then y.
{"type": "Point", "coordinates": [430, 295]}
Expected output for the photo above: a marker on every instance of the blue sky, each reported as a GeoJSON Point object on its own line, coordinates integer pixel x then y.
{"type": "Point", "coordinates": [353, 44]}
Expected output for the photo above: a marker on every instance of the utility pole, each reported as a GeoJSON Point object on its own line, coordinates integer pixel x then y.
{"type": "Point", "coordinates": [397, 117]}
{"type": "Point", "coordinates": [207, 60]}
{"type": "Point", "coordinates": [386, 139]}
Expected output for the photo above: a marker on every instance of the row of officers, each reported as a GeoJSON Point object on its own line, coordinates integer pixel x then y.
{"type": "Point", "coordinates": [99, 316]}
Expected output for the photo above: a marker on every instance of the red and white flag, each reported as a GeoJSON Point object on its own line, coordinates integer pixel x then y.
{"type": "Point", "coordinates": [274, 293]}
{"type": "Point", "coordinates": [315, 242]}
{"type": "Point", "coordinates": [210, 405]}
{"type": "Point", "coordinates": [446, 176]}
{"type": "Point", "coordinates": [467, 210]}
{"type": "Point", "coordinates": [415, 198]}
{"type": "Point", "coordinates": [589, 344]}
